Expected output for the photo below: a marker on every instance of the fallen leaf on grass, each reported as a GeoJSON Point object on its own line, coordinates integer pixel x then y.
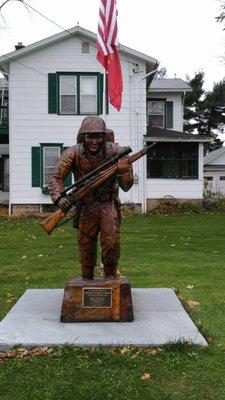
{"type": "Point", "coordinates": [190, 286]}
{"type": "Point", "coordinates": [193, 354]}
{"type": "Point", "coordinates": [24, 257]}
{"type": "Point", "coordinates": [40, 255]}
{"type": "Point", "coordinates": [193, 304]}
{"type": "Point", "coordinates": [172, 245]}
{"type": "Point", "coordinates": [153, 352]}
{"type": "Point", "coordinates": [60, 246]}
{"type": "Point", "coordinates": [146, 377]}
{"type": "Point", "coordinates": [215, 252]}
{"type": "Point", "coordinates": [124, 350]}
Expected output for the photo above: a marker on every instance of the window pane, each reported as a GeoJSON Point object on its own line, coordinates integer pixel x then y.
{"type": "Point", "coordinates": [185, 169]}
{"type": "Point", "coordinates": [68, 94]}
{"type": "Point", "coordinates": [156, 121]}
{"type": "Point", "coordinates": [155, 107]}
{"type": "Point", "coordinates": [47, 175]}
{"type": "Point", "coordinates": [161, 151]}
{"type": "Point", "coordinates": [68, 104]}
{"type": "Point", "coordinates": [88, 95]}
{"type": "Point", "coordinates": [159, 168]}
{"type": "Point", "coordinates": [50, 156]}
{"type": "Point", "coordinates": [189, 151]}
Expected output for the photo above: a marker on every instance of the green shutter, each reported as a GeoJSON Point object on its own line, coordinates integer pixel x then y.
{"type": "Point", "coordinates": [100, 93]}
{"type": "Point", "coordinates": [68, 180]}
{"type": "Point", "coordinates": [169, 114]}
{"type": "Point", "coordinates": [36, 159]}
{"type": "Point", "coordinates": [52, 94]}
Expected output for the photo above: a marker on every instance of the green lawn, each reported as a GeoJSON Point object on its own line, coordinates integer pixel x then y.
{"type": "Point", "coordinates": [157, 251]}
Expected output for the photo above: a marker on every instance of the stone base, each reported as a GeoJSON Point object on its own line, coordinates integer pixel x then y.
{"type": "Point", "coordinates": [100, 299]}
{"type": "Point", "coordinates": [159, 318]}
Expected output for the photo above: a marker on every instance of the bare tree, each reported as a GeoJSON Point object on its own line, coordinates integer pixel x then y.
{"type": "Point", "coordinates": [221, 17]}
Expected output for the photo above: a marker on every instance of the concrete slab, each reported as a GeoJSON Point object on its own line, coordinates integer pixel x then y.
{"type": "Point", "coordinates": [159, 318]}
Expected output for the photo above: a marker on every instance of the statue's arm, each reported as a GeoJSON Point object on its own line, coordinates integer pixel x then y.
{"type": "Point", "coordinates": [64, 166]}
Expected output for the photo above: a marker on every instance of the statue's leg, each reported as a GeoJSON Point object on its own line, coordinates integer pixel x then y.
{"type": "Point", "coordinates": [88, 228]}
{"type": "Point", "coordinates": [110, 238]}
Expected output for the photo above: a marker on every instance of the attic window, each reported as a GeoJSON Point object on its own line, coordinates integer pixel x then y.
{"type": "Point", "coordinates": [85, 48]}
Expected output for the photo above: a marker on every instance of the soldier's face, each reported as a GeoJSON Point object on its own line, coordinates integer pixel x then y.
{"type": "Point", "coordinates": [94, 141]}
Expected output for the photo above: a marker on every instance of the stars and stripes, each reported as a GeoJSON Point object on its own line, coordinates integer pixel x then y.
{"type": "Point", "coordinates": [107, 45]}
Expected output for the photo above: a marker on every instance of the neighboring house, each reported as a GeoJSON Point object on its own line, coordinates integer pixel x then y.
{"type": "Point", "coordinates": [175, 166]}
{"type": "Point", "coordinates": [4, 142]}
{"type": "Point", "coordinates": [54, 83]}
{"type": "Point", "coordinates": [214, 171]}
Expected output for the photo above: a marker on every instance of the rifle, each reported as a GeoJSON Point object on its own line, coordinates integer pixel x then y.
{"type": "Point", "coordinates": [89, 182]}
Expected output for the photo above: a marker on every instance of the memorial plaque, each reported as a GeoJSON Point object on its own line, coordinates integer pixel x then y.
{"type": "Point", "coordinates": [97, 297]}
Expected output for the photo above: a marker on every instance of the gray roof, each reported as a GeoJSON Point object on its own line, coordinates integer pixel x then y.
{"type": "Point", "coordinates": [213, 154]}
{"type": "Point", "coordinates": [167, 135]}
{"type": "Point", "coordinates": [3, 82]}
{"type": "Point", "coordinates": [169, 85]}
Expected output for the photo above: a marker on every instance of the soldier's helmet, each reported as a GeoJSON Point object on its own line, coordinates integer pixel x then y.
{"type": "Point", "coordinates": [92, 124]}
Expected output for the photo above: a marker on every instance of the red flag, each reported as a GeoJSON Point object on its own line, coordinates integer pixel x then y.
{"type": "Point", "coordinates": [108, 55]}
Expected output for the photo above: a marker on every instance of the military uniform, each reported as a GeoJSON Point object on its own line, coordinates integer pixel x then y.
{"type": "Point", "coordinates": [98, 212]}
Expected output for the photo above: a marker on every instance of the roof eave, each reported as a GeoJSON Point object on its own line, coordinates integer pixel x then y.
{"type": "Point", "coordinates": [165, 90]}
{"type": "Point", "coordinates": [179, 139]}
{"type": "Point", "coordinates": [63, 35]}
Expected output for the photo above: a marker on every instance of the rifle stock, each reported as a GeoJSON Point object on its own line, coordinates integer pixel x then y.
{"type": "Point", "coordinates": [52, 221]}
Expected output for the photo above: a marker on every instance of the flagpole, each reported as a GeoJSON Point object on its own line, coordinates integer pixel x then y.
{"type": "Point", "coordinates": [104, 97]}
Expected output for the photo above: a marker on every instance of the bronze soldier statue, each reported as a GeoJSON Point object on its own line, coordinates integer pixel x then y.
{"type": "Point", "coordinates": [98, 212]}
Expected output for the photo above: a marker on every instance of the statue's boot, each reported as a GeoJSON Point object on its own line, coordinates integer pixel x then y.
{"type": "Point", "coordinates": [110, 271]}
{"type": "Point", "coordinates": [87, 272]}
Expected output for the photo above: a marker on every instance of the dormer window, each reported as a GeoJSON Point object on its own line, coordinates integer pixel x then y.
{"type": "Point", "coordinates": [156, 113]}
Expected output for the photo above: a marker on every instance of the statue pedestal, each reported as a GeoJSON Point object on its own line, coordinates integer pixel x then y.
{"type": "Point", "coordinates": [101, 299]}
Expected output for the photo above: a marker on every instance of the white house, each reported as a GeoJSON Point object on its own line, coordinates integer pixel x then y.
{"type": "Point", "coordinates": [214, 171]}
{"type": "Point", "coordinates": [55, 82]}
{"type": "Point", "coordinates": [4, 142]}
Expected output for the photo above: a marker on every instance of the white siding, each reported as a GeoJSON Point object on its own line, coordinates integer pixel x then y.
{"type": "Point", "coordinates": [216, 185]}
{"type": "Point", "coordinates": [178, 188]}
{"type": "Point", "coordinates": [30, 123]}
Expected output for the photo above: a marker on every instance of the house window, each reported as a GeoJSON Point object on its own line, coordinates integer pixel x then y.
{"type": "Point", "coordinates": [80, 94]}
{"type": "Point", "coordinates": [88, 95]}
{"type": "Point", "coordinates": [156, 113]}
{"type": "Point", "coordinates": [43, 161]}
{"type": "Point", "coordinates": [50, 157]}
{"type": "Point", "coordinates": [4, 112]}
{"type": "Point", "coordinates": [222, 178]}
{"type": "Point", "coordinates": [209, 178]}
{"type": "Point", "coordinates": [173, 161]}
{"type": "Point", "coordinates": [68, 94]}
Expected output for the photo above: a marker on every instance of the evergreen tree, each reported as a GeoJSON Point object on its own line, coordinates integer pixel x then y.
{"type": "Point", "coordinates": [204, 112]}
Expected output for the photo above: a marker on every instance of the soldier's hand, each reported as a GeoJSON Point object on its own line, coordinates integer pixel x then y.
{"type": "Point", "coordinates": [123, 165]}
{"type": "Point", "coordinates": [65, 204]}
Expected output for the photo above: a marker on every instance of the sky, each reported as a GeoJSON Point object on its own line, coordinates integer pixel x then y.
{"type": "Point", "coordinates": [182, 34]}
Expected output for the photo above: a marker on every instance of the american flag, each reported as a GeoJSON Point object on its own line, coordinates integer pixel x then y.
{"type": "Point", "coordinates": [107, 36]}
{"type": "Point", "coordinates": [107, 45]}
